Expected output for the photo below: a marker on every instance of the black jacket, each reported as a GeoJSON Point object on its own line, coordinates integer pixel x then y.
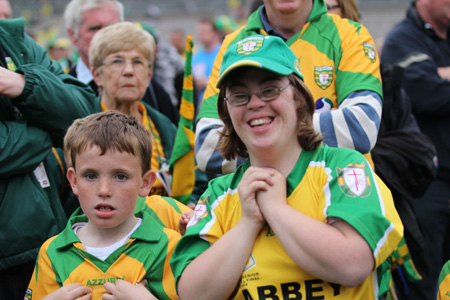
{"type": "Point", "coordinates": [414, 45]}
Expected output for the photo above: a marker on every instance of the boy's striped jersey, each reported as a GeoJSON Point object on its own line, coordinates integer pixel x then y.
{"type": "Point", "coordinates": [62, 261]}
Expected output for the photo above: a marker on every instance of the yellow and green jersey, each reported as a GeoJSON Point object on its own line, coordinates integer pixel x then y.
{"type": "Point", "coordinates": [326, 183]}
{"type": "Point", "coordinates": [62, 261]}
{"type": "Point", "coordinates": [444, 282]}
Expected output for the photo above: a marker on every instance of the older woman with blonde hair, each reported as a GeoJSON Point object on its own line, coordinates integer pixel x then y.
{"type": "Point", "coordinates": [121, 57]}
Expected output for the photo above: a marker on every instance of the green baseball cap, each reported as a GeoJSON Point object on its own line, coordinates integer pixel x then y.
{"type": "Point", "coordinates": [265, 52]}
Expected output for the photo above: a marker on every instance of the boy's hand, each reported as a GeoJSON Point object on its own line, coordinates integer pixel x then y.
{"type": "Point", "coordinates": [124, 290]}
{"type": "Point", "coordinates": [71, 292]}
{"type": "Point", "coordinates": [184, 220]}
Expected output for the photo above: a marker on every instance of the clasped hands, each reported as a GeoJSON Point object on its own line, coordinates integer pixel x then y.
{"type": "Point", "coordinates": [261, 191]}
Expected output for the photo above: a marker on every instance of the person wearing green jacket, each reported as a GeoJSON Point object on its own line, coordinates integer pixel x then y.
{"type": "Point", "coordinates": [38, 102]}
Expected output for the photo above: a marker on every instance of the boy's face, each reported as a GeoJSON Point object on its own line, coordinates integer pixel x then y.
{"type": "Point", "coordinates": [108, 186]}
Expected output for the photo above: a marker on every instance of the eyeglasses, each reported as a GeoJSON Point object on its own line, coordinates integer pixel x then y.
{"type": "Point", "coordinates": [332, 6]}
{"type": "Point", "coordinates": [267, 94]}
{"type": "Point", "coordinates": [119, 64]}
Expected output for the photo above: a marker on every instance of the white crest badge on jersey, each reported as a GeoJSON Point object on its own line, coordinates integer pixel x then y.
{"type": "Point", "coordinates": [200, 211]}
{"type": "Point", "coordinates": [354, 181]}
{"type": "Point", "coordinates": [370, 52]}
{"type": "Point", "coordinates": [249, 45]}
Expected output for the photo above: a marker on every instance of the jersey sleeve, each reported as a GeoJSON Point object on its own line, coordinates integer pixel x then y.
{"type": "Point", "coordinates": [166, 210]}
{"type": "Point", "coordinates": [43, 281]}
{"type": "Point", "coordinates": [359, 197]}
{"type": "Point", "coordinates": [355, 123]}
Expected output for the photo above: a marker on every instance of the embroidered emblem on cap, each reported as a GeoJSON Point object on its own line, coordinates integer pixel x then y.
{"type": "Point", "coordinates": [249, 45]}
{"type": "Point", "coordinates": [297, 66]}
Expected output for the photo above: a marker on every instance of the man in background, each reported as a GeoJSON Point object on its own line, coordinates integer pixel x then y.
{"type": "Point", "coordinates": [5, 10]}
{"type": "Point", "coordinates": [420, 44]}
{"type": "Point", "coordinates": [83, 19]}
{"type": "Point", "coordinates": [203, 59]}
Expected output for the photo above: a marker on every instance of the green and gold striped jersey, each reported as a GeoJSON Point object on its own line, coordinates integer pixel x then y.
{"type": "Point", "coordinates": [326, 184]}
{"type": "Point", "coordinates": [62, 261]}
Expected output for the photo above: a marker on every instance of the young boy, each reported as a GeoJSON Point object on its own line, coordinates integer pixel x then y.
{"type": "Point", "coordinates": [104, 240]}
{"type": "Point", "coordinates": [168, 212]}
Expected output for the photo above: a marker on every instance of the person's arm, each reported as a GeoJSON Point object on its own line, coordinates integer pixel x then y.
{"type": "Point", "coordinates": [355, 121]}
{"type": "Point", "coordinates": [50, 99]}
{"type": "Point", "coordinates": [424, 77]}
{"type": "Point", "coordinates": [335, 253]}
{"type": "Point", "coordinates": [220, 266]}
{"type": "Point", "coordinates": [354, 124]}
{"type": "Point", "coordinates": [22, 147]}
{"type": "Point", "coordinates": [70, 292]}
{"type": "Point", "coordinates": [11, 83]}
{"type": "Point", "coordinates": [208, 157]}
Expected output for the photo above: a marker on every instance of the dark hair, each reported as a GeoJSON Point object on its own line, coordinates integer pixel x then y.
{"type": "Point", "coordinates": [231, 145]}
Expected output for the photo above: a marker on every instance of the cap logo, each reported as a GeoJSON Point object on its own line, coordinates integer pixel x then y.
{"type": "Point", "coordinates": [323, 76]}
{"type": "Point", "coordinates": [297, 66]}
{"type": "Point", "coordinates": [249, 45]}
{"type": "Point", "coordinates": [370, 52]}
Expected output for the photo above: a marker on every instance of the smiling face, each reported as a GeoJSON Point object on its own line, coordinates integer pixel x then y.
{"type": "Point", "coordinates": [264, 125]}
{"type": "Point", "coordinates": [123, 85]}
{"type": "Point", "coordinates": [108, 186]}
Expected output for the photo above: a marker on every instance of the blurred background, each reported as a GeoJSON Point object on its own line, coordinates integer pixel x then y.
{"type": "Point", "coordinates": [44, 17]}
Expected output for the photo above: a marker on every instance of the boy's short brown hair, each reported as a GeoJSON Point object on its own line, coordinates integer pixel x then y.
{"type": "Point", "coordinates": [110, 130]}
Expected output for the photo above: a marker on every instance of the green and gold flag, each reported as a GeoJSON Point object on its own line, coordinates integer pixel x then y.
{"type": "Point", "coordinates": [182, 161]}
